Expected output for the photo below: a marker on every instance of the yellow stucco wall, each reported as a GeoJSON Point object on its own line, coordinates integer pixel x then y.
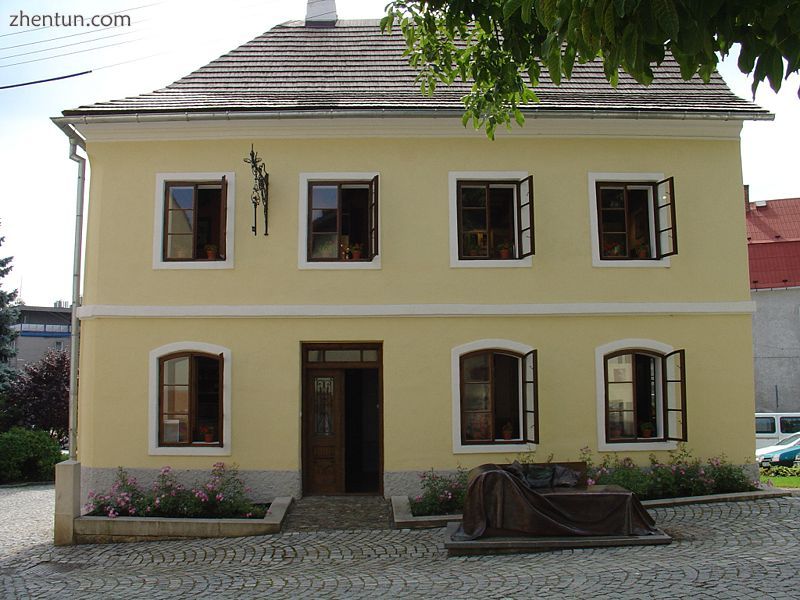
{"type": "Point", "coordinates": [711, 267]}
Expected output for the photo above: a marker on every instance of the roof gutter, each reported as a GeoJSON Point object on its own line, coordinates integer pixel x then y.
{"type": "Point", "coordinates": [239, 115]}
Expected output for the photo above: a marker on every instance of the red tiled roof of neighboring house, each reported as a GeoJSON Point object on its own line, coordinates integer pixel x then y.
{"type": "Point", "coordinates": [354, 67]}
{"type": "Point", "coordinates": [773, 243]}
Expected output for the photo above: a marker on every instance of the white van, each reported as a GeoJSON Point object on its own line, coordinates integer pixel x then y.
{"type": "Point", "coordinates": [771, 427]}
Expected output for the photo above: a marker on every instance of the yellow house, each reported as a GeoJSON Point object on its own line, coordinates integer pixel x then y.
{"type": "Point", "coordinates": [425, 298]}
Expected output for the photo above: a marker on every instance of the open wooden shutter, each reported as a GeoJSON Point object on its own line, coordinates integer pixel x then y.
{"type": "Point", "coordinates": [525, 238]}
{"type": "Point", "coordinates": [664, 210]}
{"type": "Point", "coordinates": [220, 398]}
{"type": "Point", "coordinates": [673, 376]}
{"type": "Point", "coordinates": [373, 218]}
{"type": "Point", "coordinates": [530, 397]}
{"type": "Point", "coordinates": [223, 216]}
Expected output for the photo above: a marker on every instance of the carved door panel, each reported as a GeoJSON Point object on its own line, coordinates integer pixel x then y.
{"type": "Point", "coordinates": [323, 416]}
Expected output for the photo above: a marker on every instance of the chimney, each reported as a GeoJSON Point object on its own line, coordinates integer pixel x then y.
{"type": "Point", "coordinates": [321, 13]}
{"type": "Point", "coordinates": [747, 198]}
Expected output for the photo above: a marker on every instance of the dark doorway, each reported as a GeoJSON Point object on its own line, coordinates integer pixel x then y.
{"type": "Point", "coordinates": [342, 416]}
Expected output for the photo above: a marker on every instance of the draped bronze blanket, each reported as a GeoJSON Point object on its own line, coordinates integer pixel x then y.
{"type": "Point", "coordinates": [498, 503]}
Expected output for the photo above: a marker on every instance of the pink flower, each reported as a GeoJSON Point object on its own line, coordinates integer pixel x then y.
{"type": "Point", "coordinates": [219, 497]}
{"type": "Point", "coordinates": [590, 481]}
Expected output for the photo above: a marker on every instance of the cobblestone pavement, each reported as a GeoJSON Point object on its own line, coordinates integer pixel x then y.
{"type": "Point", "coordinates": [728, 550]}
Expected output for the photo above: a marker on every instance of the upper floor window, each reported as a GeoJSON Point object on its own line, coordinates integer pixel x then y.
{"type": "Point", "coordinates": [194, 220]}
{"type": "Point", "coordinates": [645, 396]}
{"type": "Point", "coordinates": [498, 397]}
{"type": "Point", "coordinates": [342, 220]}
{"type": "Point", "coordinates": [495, 219]}
{"type": "Point", "coordinates": [190, 399]}
{"type": "Point", "coordinates": [636, 220]}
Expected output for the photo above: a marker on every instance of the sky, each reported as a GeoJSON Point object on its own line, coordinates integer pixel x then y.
{"type": "Point", "coordinates": [165, 40]}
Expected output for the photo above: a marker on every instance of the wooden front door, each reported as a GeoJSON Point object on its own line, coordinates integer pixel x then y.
{"type": "Point", "coordinates": [323, 424]}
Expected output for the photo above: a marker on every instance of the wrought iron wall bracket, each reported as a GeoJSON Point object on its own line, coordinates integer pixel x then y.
{"type": "Point", "coordinates": [260, 194]}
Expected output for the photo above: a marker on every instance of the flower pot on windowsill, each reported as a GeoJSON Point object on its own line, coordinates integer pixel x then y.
{"type": "Point", "coordinates": [356, 255]}
{"type": "Point", "coordinates": [505, 253]}
{"type": "Point", "coordinates": [211, 251]}
{"type": "Point", "coordinates": [208, 438]}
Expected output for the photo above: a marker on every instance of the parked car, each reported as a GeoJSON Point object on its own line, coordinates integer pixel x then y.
{"type": "Point", "coordinates": [784, 457]}
{"type": "Point", "coordinates": [783, 444]}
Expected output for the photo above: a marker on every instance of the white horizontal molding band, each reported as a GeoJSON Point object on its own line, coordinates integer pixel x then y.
{"type": "Point", "coordinates": [93, 311]}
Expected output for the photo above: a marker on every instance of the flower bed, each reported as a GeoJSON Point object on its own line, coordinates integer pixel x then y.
{"type": "Point", "coordinates": [168, 510]}
{"type": "Point", "coordinates": [222, 496]}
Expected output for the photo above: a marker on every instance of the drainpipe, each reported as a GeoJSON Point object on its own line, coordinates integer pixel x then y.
{"type": "Point", "coordinates": [76, 299]}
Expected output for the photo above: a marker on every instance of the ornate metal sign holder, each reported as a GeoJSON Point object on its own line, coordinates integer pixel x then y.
{"type": "Point", "coordinates": [260, 193]}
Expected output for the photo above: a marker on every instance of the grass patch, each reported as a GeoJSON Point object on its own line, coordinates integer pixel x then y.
{"type": "Point", "coordinates": [783, 482]}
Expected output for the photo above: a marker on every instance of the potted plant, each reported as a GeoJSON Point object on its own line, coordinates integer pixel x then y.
{"type": "Point", "coordinates": [647, 429]}
{"type": "Point", "coordinates": [508, 430]}
{"type": "Point", "coordinates": [504, 250]}
{"type": "Point", "coordinates": [208, 433]}
{"type": "Point", "coordinates": [641, 250]}
{"type": "Point", "coordinates": [211, 251]}
{"type": "Point", "coordinates": [355, 251]}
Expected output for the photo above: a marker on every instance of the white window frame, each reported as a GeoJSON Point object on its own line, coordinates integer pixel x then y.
{"type": "Point", "coordinates": [455, 369]}
{"type": "Point", "coordinates": [453, 178]}
{"type": "Point", "coordinates": [153, 413]}
{"type": "Point", "coordinates": [600, 353]}
{"type": "Point", "coordinates": [302, 224]}
{"type": "Point", "coordinates": [594, 179]}
{"type": "Point", "coordinates": [158, 221]}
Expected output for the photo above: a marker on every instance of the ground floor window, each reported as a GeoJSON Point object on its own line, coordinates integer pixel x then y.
{"type": "Point", "coordinates": [190, 399]}
{"type": "Point", "coordinates": [498, 397]}
{"type": "Point", "coordinates": [645, 396]}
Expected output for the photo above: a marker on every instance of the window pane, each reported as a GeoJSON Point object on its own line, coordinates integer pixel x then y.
{"type": "Point", "coordinates": [180, 221]}
{"type": "Point", "coordinates": [612, 198]}
{"type": "Point", "coordinates": [181, 198]}
{"type": "Point", "coordinates": [476, 396]}
{"type": "Point", "coordinates": [179, 246]}
{"type": "Point", "coordinates": [473, 196]}
{"type": "Point", "coordinates": [323, 220]}
{"type": "Point", "coordinates": [343, 355]}
{"type": "Point", "coordinates": [473, 220]}
{"type": "Point", "coordinates": [315, 356]}
{"type": "Point", "coordinates": [505, 387]}
{"type": "Point", "coordinates": [765, 425]}
{"type": "Point", "coordinates": [324, 196]}
{"type": "Point", "coordinates": [790, 424]}
{"type": "Point", "coordinates": [206, 419]}
{"type": "Point", "coordinates": [176, 371]}
{"type": "Point", "coordinates": [175, 399]}
{"type": "Point", "coordinates": [325, 245]}
{"type": "Point", "coordinates": [477, 427]}
{"type": "Point", "coordinates": [476, 367]}
{"type": "Point", "coordinates": [370, 356]}
{"type": "Point", "coordinates": [620, 396]}
{"type": "Point", "coordinates": [175, 429]}
{"type": "Point", "coordinates": [323, 405]}
{"type": "Point", "coordinates": [620, 368]}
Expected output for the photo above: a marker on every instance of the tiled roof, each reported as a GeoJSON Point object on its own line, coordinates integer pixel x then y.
{"type": "Point", "coordinates": [773, 243]}
{"type": "Point", "coordinates": [355, 67]}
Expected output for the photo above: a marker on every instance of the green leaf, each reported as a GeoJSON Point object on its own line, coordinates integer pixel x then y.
{"type": "Point", "coordinates": [620, 6]}
{"type": "Point", "coordinates": [609, 22]}
{"type": "Point", "coordinates": [512, 6]}
{"type": "Point", "coordinates": [667, 16]}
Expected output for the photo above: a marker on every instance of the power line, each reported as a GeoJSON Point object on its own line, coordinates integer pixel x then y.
{"type": "Point", "coordinates": [14, 85]}
{"type": "Point", "coordinates": [25, 62]}
{"type": "Point", "coordinates": [64, 46]}
{"type": "Point", "coordinates": [61, 37]}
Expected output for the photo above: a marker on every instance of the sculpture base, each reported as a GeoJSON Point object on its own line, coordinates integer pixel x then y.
{"type": "Point", "coordinates": [520, 544]}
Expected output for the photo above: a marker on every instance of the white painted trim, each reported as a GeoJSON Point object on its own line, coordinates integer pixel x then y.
{"type": "Point", "coordinates": [94, 311]}
{"type": "Point", "coordinates": [196, 128]}
{"type": "Point", "coordinates": [599, 356]}
{"type": "Point", "coordinates": [455, 355]}
{"type": "Point", "coordinates": [594, 228]}
{"type": "Point", "coordinates": [302, 224]}
{"type": "Point", "coordinates": [152, 434]}
{"type": "Point", "coordinates": [453, 177]}
{"type": "Point", "coordinates": [158, 221]}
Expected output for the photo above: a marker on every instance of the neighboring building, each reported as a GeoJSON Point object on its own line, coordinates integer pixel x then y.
{"type": "Point", "coordinates": [40, 328]}
{"type": "Point", "coordinates": [395, 319]}
{"type": "Point", "coordinates": [773, 244]}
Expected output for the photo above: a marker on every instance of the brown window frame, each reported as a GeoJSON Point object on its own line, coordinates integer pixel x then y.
{"type": "Point", "coordinates": [195, 184]}
{"type": "Point", "coordinates": [522, 217]}
{"type": "Point", "coordinates": [661, 219]}
{"type": "Point", "coordinates": [192, 399]}
{"type": "Point", "coordinates": [372, 219]}
{"type": "Point", "coordinates": [666, 399]}
{"type": "Point", "coordinates": [529, 413]}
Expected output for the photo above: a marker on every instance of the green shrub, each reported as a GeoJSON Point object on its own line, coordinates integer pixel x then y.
{"type": "Point", "coordinates": [441, 494]}
{"type": "Point", "coordinates": [781, 471]}
{"type": "Point", "coordinates": [27, 455]}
